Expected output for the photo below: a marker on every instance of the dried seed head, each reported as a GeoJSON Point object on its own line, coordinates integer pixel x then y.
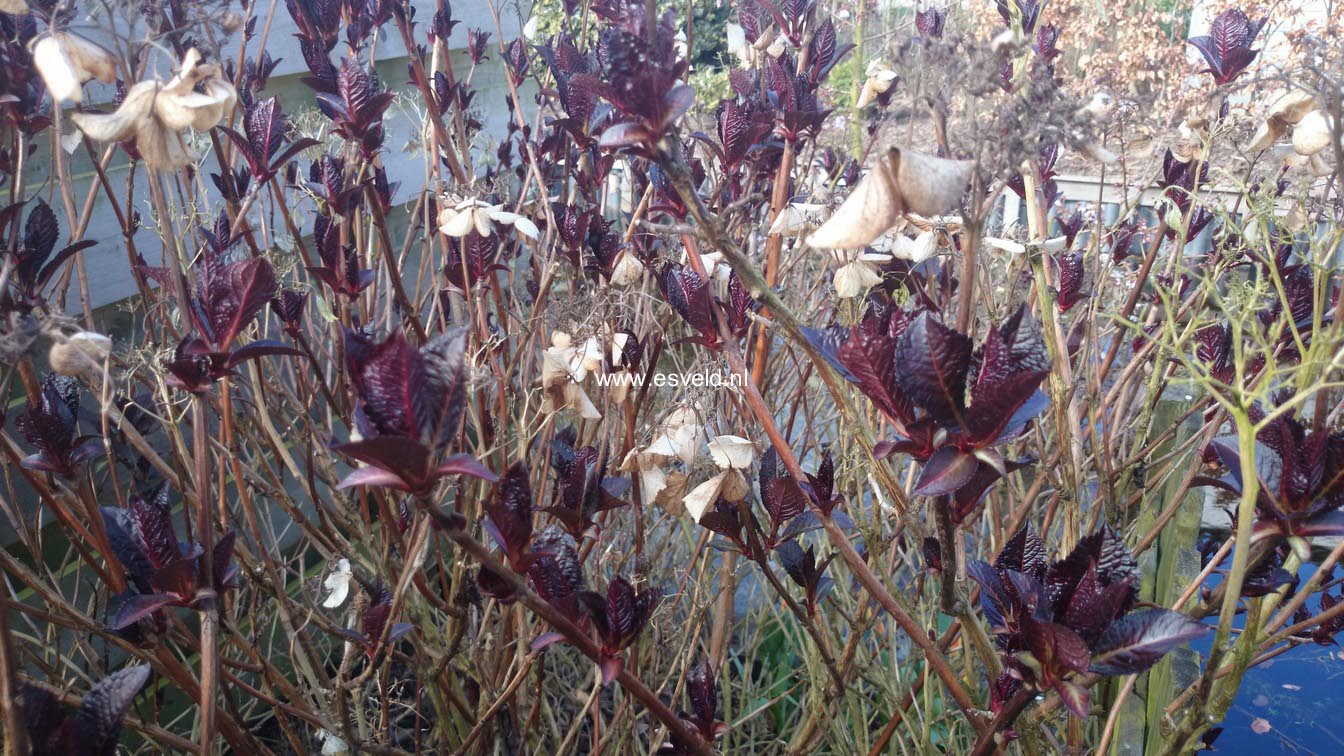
{"type": "Point", "coordinates": [231, 22]}
{"type": "Point", "coordinates": [628, 270]}
{"type": "Point", "coordinates": [79, 354]}
{"type": "Point", "coordinates": [65, 61]}
{"type": "Point", "coordinates": [906, 182]}
{"type": "Point", "coordinates": [1311, 134]}
{"type": "Point", "coordinates": [854, 279]}
{"type": "Point", "coordinates": [154, 114]}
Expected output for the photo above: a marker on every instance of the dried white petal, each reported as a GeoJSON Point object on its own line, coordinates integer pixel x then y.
{"type": "Point", "coordinates": [1266, 135]}
{"type": "Point", "coordinates": [1005, 245]}
{"type": "Point", "coordinates": [65, 61]}
{"type": "Point", "coordinates": [703, 496]}
{"type": "Point", "coordinates": [732, 452]}
{"type": "Point", "coordinates": [577, 399]}
{"type": "Point", "coordinates": [1293, 106]}
{"type": "Point", "coordinates": [880, 77]}
{"type": "Point", "coordinates": [589, 358]}
{"type": "Point", "coordinates": [735, 486]}
{"type": "Point", "coordinates": [57, 69]}
{"type": "Point", "coordinates": [652, 478]}
{"type": "Point", "coordinates": [680, 437]}
{"type": "Point", "coordinates": [796, 218]}
{"type": "Point", "coordinates": [906, 181]}
{"type": "Point", "coordinates": [628, 270]}
{"type": "Point", "coordinates": [337, 584]}
{"type": "Point", "coordinates": [332, 744]}
{"type": "Point", "coordinates": [454, 222]}
{"type": "Point", "coordinates": [70, 141]}
{"type": "Point", "coordinates": [1311, 134]}
{"type": "Point", "coordinates": [856, 278]}
{"type": "Point", "coordinates": [915, 250]}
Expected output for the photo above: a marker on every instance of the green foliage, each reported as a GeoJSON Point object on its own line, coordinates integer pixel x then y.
{"type": "Point", "coordinates": [705, 32]}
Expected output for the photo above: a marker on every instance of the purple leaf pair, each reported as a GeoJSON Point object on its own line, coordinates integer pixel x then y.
{"type": "Point", "coordinates": [1300, 473]}
{"type": "Point", "coordinates": [356, 106]}
{"type": "Point", "coordinates": [165, 571]}
{"type": "Point", "coordinates": [781, 495]}
{"type": "Point", "coordinates": [52, 426]}
{"type": "Point", "coordinates": [1054, 621]}
{"type": "Point", "coordinates": [1028, 11]}
{"type": "Point", "coordinates": [227, 298]}
{"type": "Point", "coordinates": [556, 572]}
{"type": "Point", "coordinates": [94, 729]}
{"type": "Point", "coordinates": [742, 125]}
{"type": "Point", "coordinates": [642, 73]}
{"type": "Point", "coordinates": [690, 296]}
{"type": "Point", "coordinates": [195, 366]}
{"type": "Point", "coordinates": [619, 617]}
{"type": "Point", "coordinates": [566, 63]}
{"type": "Point", "coordinates": [509, 516]}
{"type": "Point", "coordinates": [266, 126]}
{"type": "Point", "coordinates": [810, 575]}
{"type": "Point", "coordinates": [472, 260]}
{"type": "Point", "coordinates": [1227, 46]}
{"type": "Point", "coordinates": [409, 405]}
{"type": "Point", "coordinates": [583, 489]}
{"type": "Point", "coordinates": [799, 114]}
{"type": "Point", "coordinates": [340, 269]}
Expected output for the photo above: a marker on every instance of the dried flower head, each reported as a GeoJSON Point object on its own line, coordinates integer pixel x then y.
{"type": "Point", "coordinates": [155, 113]}
{"type": "Point", "coordinates": [66, 61]}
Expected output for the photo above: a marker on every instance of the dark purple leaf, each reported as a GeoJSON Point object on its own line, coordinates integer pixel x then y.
{"type": "Point", "coordinates": [152, 520]}
{"type": "Point", "coordinates": [390, 378]}
{"type": "Point", "coordinates": [930, 366]}
{"type": "Point", "coordinates": [1023, 552]}
{"type": "Point", "coordinates": [137, 607]}
{"type": "Point", "coordinates": [404, 459]}
{"type": "Point", "coordinates": [621, 614]}
{"type": "Point", "coordinates": [266, 125]}
{"type": "Point", "coordinates": [40, 233]}
{"type": "Point", "coordinates": [689, 295]}
{"type": "Point", "coordinates": [234, 295]}
{"type": "Point", "coordinates": [1056, 646]}
{"type": "Point", "coordinates": [827, 342]}
{"type": "Point", "coordinates": [1071, 278]}
{"type": "Point", "coordinates": [1137, 641]}
{"type": "Point", "coordinates": [869, 356]}
{"type": "Point", "coordinates": [106, 704]}
{"type": "Point", "coordinates": [945, 472]}
{"type": "Point", "coordinates": [446, 383]}
{"type": "Point", "coordinates": [510, 522]}
{"type": "Point", "coordinates": [784, 499]}
{"type": "Point", "coordinates": [181, 578]}
{"type": "Point", "coordinates": [703, 692]}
